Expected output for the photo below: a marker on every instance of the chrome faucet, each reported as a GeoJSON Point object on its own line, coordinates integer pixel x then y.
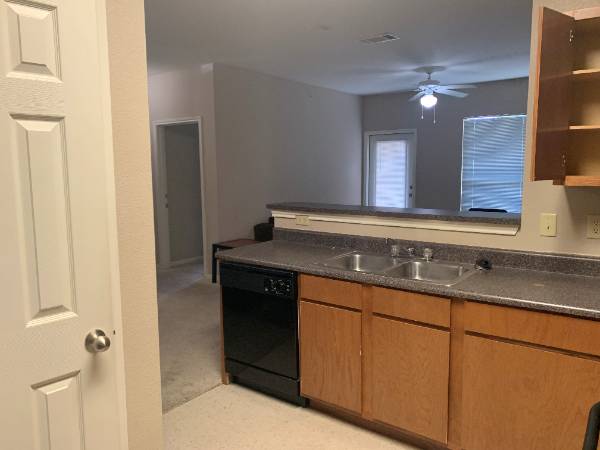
{"type": "Point", "coordinates": [427, 254]}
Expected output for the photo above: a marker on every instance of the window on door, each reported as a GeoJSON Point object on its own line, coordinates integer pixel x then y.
{"type": "Point", "coordinates": [389, 169]}
{"type": "Point", "coordinates": [492, 162]}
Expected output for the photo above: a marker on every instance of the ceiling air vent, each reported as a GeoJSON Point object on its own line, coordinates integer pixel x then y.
{"type": "Point", "coordinates": [385, 37]}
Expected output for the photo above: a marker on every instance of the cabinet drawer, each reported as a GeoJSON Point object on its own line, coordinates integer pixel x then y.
{"type": "Point", "coordinates": [334, 292]}
{"type": "Point", "coordinates": [551, 330]}
{"type": "Point", "coordinates": [412, 306]}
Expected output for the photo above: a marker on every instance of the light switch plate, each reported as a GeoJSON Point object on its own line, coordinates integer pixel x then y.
{"type": "Point", "coordinates": [593, 227]}
{"type": "Point", "coordinates": [547, 224]}
{"type": "Point", "coordinates": [302, 219]}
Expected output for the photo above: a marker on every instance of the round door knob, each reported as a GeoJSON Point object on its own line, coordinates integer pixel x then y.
{"type": "Point", "coordinates": [97, 341]}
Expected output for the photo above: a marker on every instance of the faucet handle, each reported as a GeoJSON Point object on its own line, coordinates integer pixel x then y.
{"type": "Point", "coordinates": [394, 250]}
{"type": "Point", "coordinates": [410, 251]}
{"type": "Point", "coordinates": [427, 254]}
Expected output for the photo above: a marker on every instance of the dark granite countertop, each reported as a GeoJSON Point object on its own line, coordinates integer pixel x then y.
{"type": "Point", "coordinates": [405, 213]}
{"type": "Point", "coordinates": [574, 295]}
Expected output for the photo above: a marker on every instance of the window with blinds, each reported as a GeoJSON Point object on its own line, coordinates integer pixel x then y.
{"type": "Point", "coordinates": [492, 162]}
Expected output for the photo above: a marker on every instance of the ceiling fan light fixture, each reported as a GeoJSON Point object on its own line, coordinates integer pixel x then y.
{"type": "Point", "coordinates": [429, 101]}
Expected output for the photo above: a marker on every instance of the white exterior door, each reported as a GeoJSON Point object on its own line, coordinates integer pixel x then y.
{"type": "Point", "coordinates": [389, 169]}
{"type": "Point", "coordinates": [58, 268]}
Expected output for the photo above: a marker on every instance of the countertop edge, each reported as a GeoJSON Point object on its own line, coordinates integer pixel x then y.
{"type": "Point", "coordinates": [411, 213]}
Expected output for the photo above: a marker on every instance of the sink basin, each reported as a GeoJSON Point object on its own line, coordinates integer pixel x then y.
{"type": "Point", "coordinates": [360, 262]}
{"type": "Point", "coordinates": [432, 272]}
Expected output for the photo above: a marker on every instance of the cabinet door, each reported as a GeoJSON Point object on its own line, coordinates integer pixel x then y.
{"type": "Point", "coordinates": [517, 397]}
{"type": "Point", "coordinates": [410, 377]}
{"type": "Point", "coordinates": [551, 115]}
{"type": "Point", "coordinates": [330, 355]}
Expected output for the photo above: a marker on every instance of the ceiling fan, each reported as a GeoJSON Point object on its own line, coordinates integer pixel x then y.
{"type": "Point", "coordinates": [427, 89]}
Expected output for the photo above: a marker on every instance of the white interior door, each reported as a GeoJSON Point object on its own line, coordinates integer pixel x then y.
{"type": "Point", "coordinates": [57, 239]}
{"type": "Point", "coordinates": [184, 191]}
{"type": "Point", "coordinates": [390, 164]}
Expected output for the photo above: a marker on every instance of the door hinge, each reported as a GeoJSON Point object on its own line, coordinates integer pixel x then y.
{"type": "Point", "coordinates": [571, 36]}
{"type": "Point", "coordinates": [564, 160]}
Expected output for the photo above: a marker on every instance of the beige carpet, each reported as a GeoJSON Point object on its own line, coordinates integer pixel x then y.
{"type": "Point", "coordinates": [188, 320]}
{"type": "Point", "coordinates": [232, 417]}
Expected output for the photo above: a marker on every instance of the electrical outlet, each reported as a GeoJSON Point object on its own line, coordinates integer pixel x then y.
{"type": "Point", "coordinates": [302, 219]}
{"type": "Point", "coordinates": [593, 227]}
{"type": "Point", "coordinates": [548, 224]}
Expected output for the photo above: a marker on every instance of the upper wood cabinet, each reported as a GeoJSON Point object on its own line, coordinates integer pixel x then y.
{"type": "Point", "coordinates": [566, 115]}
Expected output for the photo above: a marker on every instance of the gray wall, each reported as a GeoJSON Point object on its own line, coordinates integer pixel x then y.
{"type": "Point", "coordinates": [183, 94]}
{"type": "Point", "coordinates": [439, 145]}
{"type": "Point", "coordinates": [180, 144]}
{"type": "Point", "coordinates": [280, 140]}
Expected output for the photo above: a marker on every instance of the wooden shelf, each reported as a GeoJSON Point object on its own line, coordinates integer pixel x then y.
{"type": "Point", "coordinates": [566, 144]}
{"type": "Point", "coordinates": [586, 75]}
{"type": "Point", "coordinates": [584, 127]}
{"type": "Point", "coordinates": [581, 180]}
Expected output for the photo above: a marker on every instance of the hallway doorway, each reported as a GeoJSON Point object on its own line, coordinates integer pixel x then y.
{"type": "Point", "coordinates": [179, 193]}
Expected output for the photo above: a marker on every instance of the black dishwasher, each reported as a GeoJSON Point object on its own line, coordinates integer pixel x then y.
{"type": "Point", "coordinates": [260, 329]}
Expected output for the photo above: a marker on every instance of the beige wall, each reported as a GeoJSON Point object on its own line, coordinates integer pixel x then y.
{"type": "Point", "coordinates": [280, 140]}
{"type": "Point", "coordinates": [571, 205]}
{"type": "Point", "coordinates": [265, 139]}
{"type": "Point", "coordinates": [127, 64]}
{"type": "Point", "coordinates": [439, 145]}
{"type": "Point", "coordinates": [184, 94]}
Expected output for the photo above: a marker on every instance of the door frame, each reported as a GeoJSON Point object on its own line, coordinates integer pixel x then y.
{"type": "Point", "coordinates": [412, 161]}
{"type": "Point", "coordinates": [159, 187]}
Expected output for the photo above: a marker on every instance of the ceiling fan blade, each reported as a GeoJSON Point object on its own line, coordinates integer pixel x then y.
{"type": "Point", "coordinates": [460, 86]}
{"type": "Point", "coordinates": [451, 93]}
{"type": "Point", "coordinates": [417, 96]}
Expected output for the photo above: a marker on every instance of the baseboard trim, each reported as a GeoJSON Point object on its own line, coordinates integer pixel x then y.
{"type": "Point", "coordinates": [181, 262]}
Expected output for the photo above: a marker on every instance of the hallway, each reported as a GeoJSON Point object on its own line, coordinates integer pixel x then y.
{"type": "Point", "coordinates": [188, 317]}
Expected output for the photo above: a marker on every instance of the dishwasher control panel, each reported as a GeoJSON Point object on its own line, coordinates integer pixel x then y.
{"type": "Point", "coordinates": [278, 286]}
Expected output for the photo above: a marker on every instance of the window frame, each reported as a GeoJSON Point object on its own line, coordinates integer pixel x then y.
{"type": "Point", "coordinates": [411, 135]}
{"type": "Point", "coordinates": [462, 151]}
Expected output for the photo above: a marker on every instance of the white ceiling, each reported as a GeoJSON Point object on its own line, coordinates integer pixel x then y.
{"type": "Point", "coordinates": [318, 41]}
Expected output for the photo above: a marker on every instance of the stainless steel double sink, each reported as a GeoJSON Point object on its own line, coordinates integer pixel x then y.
{"type": "Point", "coordinates": [437, 272]}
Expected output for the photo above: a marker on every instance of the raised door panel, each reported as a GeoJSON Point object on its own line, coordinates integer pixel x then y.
{"type": "Point", "coordinates": [44, 201]}
{"type": "Point", "coordinates": [551, 116]}
{"type": "Point", "coordinates": [518, 397]}
{"type": "Point", "coordinates": [410, 373]}
{"type": "Point", "coordinates": [330, 355]}
{"type": "Point", "coordinates": [58, 418]}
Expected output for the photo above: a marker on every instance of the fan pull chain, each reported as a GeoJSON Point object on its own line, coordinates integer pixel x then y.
{"type": "Point", "coordinates": [422, 117]}
{"type": "Point", "coordinates": [434, 114]}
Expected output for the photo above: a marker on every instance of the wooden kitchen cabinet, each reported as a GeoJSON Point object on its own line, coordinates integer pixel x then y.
{"type": "Point", "coordinates": [330, 355]}
{"type": "Point", "coordinates": [448, 372]}
{"type": "Point", "coordinates": [566, 115]}
{"type": "Point", "coordinates": [522, 397]}
{"type": "Point", "coordinates": [410, 370]}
